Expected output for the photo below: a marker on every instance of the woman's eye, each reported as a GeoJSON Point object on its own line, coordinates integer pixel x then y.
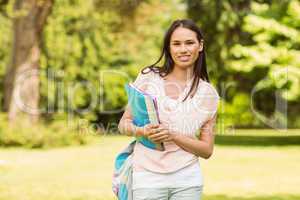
{"type": "Point", "coordinates": [190, 43]}
{"type": "Point", "coordinates": [176, 44]}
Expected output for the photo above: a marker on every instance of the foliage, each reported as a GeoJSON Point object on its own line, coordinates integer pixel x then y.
{"type": "Point", "coordinates": [92, 51]}
{"type": "Point", "coordinates": [5, 41]}
{"type": "Point", "coordinates": [58, 133]}
{"type": "Point", "coordinates": [275, 48]}
{"type": "Point", "coordinates": [239, 107]}
{"type": "Point", "coordinates": [254, 50]}
{"type": "Point", "coordinates": [92, 48]}
{"type": "Point", "coordinates": [221, 24]}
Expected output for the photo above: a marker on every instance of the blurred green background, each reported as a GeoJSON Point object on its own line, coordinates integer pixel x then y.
{"type": "Point", "coordinates": [80, 53]}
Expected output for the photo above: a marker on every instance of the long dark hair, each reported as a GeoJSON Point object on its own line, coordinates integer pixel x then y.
{"type": "Point", "coordinates": [168, 65]}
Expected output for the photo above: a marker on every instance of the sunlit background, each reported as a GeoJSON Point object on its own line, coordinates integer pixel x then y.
{"type": "Point", "coordinates": [63, 67]}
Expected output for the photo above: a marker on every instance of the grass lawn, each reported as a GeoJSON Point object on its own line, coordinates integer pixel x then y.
{"type": "Point", "coordinates": [235, 172]}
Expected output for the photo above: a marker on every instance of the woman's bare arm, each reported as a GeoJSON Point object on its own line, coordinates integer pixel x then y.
{"type": "Point", "coordinates": [202, 147]}
{"type": "Point", "coordinates": [127, 127]}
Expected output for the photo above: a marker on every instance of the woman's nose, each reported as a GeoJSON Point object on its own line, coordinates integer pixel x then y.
{"type": "Point", "coordinates": [182, 48]}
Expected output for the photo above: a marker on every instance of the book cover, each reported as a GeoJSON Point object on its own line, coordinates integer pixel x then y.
{"type": "Point", "coordinates": [144, 110]}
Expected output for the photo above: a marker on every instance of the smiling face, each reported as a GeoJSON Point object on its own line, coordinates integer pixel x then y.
{"type": "Point", "coordinates": [184, 47]}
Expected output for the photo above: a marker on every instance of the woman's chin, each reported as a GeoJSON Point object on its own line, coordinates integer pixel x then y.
{"type": "Point", "coordinates": [183, 65]}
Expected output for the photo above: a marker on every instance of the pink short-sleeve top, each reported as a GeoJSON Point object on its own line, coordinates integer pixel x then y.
{"type": "Point", "coordinates": [185, 118]}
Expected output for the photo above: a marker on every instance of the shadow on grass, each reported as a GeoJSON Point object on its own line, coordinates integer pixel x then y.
{"type": "Point", "coordinates": [271, 197]}
{"type": "Point", "coordinates": [257, 140]}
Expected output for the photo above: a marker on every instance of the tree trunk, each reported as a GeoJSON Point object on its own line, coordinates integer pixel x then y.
{"type": "Point", "coordinates": [22, 76]}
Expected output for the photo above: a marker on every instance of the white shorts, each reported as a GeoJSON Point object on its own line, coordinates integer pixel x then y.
{"type": "Point", "coordinates": [189, 176]}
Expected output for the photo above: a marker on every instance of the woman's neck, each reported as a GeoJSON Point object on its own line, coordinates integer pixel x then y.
{"type": "Point", "coordinates": [181, 75]}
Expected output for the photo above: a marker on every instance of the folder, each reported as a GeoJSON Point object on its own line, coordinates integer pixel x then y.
{"type": "Point", "coordinates": [144, 110]}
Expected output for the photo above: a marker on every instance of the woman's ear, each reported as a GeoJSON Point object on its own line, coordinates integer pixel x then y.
{"type": "Point", "coordinates": [201, 46]}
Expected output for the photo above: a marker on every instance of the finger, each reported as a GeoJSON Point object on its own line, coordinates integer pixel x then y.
{"type": "Point", "coordinates": [163, 126]}
{"type": "Point", "coordinates": [161, 129]}
{"type": "Point", "coordinates": [152, 136]}
{"type": "Point", "coordinates": [152, 132]}
{"type": "Point", "coordinates": [158, 135]}
{"type": "Point", "coordinates": [153, 125]}
{"type": "Point", "coordinates": [160, 139]}
{"type": "Point", "coordinates": [156, 131]}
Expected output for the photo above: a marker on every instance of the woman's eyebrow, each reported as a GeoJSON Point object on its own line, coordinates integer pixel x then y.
{"type": "Point", "coordinates": [188, 40]}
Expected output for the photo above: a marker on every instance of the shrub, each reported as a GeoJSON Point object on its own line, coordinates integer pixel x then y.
{"type": "Point", "coordinates": [42, 135]}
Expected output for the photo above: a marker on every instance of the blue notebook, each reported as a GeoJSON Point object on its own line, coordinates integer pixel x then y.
{"type": "Point", "coordinates": [144, 111]}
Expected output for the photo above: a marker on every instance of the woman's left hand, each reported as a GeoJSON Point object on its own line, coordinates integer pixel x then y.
{"type": "Point", "coordinates": [162, 134]}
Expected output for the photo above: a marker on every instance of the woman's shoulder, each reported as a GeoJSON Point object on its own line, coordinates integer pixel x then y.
{"type": "Point", "coordinates": [144, 77]}
{"type": "Point", "coordinates": [206, 99]}
{"type": "Point", "coordinates": [206, 89]}
{"type": "Point", "coordinates": [148, 72]}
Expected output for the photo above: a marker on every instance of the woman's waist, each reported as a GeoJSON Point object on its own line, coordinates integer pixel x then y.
{"type": "Point", "coordinates": [186, 177]}
{"type": "Point", "coordinates": [169, 160]}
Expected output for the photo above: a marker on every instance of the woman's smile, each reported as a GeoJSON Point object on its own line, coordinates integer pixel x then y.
{"type": "Point", "coordinates": [184, 58]}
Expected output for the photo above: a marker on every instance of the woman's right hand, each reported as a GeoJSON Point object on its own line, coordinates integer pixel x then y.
{"type": "Point", "coordinates": [146, 130]}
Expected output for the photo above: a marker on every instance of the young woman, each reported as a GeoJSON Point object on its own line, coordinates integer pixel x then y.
{"type": "Point", "coordinates": [187, 105]}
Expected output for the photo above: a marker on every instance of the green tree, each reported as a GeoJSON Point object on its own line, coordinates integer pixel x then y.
{"type": "Point", "coordinates": [274, 52]}
{"type": "Point", "coordinates": [103, 45]}
{"type": "Point", "coordinates": [221, 23]}
{"type": "Point", "coordinates": [21, 83]}
{"type": "Point", "coordinates": [252, 45]}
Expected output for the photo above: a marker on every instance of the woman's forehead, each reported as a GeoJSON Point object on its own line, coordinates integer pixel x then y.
{"type": "Point", "coordinates": [183, 34]}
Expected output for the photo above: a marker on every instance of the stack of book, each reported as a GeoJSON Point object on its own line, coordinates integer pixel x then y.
{"type": "Point", "coordinates": [144, 110]}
